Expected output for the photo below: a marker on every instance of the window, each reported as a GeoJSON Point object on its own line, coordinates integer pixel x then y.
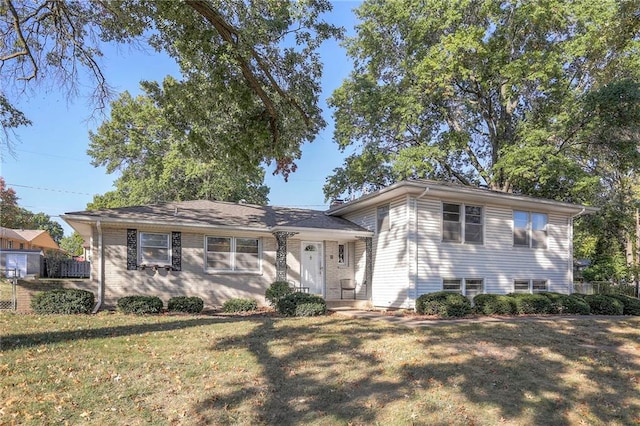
{"type": "Point", "coordinates": [538, 286]}
{"type": "Point", "coordinates": [383, 218]}
{"type": "Point", "coordinates": [473, 224]}
{"type": "Point", "coordinates": [452, 286]}
{"type": "Point", "coordinates": [530, 286]}
{"type": "Point", "coordinates": [521, 286]}
{"type": "Point", "coordinates": [154, 249]}
{"type": "Point", "coordinates": [473, 287]}
{"type": "Point", "coordinates": [21, 246]}
{"type": "Point", "coordinates": [530, 229]}
{"type": "Point", "coordinates": [343, 255]}
{"type": "Point", "coordinates": [451, 221]}
{"type": "Point", "coordinates": [469, 287]}
{"type": "Point", "coordinates": [538, 230]}
{"type": "Point", "coordinates": [9, 244]}
{"type": "Point", "coordinates": [454, 216]}
{"type": "Point", "coordinates": [232, 254]}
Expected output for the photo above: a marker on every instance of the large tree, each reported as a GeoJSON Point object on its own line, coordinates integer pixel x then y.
{"type": "Point", "coordinates": [260, 59]}
{"type": "Point", "coordinates": [157, 160]}
{"type": "Point", "coordinates": [510, 95]}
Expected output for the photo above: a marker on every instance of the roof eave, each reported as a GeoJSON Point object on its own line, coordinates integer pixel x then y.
{"type": "Point", "coordinates": [90, 220]}
{"type": "Point", "coordinates": [452, 192]}
{"type": "Point", "coordinates": [71, 219]}
{"type": "Point", "coordinates": [334, 233]}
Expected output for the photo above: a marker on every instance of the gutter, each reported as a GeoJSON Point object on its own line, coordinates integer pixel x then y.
{"type": "Point", "coordinates": [100, 269]}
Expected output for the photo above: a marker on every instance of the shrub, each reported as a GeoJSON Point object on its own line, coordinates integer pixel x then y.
{"type": "Point", "coordinates": [531, 303]}
{"type": "Point", "coordinates": [276, 291]}
{"type": "Point", "coordinates": [63, 301]}
{"type": "Point", "coordinates": [443, 304]}
{"type": "Point", "coordinates": [140, 305]}
{"type": "Point", "coordinates": [556, 300]}
{"type": "Point", "coordinates": [301, 304]}
{"type": "Point", "coordinates": [494, 304]}
{"type": "Point", "coordinates": [604, 305]}
{"type": "Point", "coordinates": [573, 304]}
{"type": "Point", "coordinates": [311, 309]}
{"type": "Point", "coordinates": [239, 305]}
{"type": "Point", "coordinates": [191, 305]}
{"type": "Point", "coordinates": [631, 305]}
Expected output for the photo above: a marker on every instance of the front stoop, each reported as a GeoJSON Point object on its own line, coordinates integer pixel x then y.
{"type": "Point", "coordinates": [349, 303]}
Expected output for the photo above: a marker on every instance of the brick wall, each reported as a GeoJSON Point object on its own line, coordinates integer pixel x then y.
{"type": "Point", "coordinates": [26, 289]}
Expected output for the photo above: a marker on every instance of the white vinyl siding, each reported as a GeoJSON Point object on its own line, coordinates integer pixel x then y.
{"type": "Point", "coordinates": [390, 276]}
{"type": "Point", "coordinates": [411, 259]}
{"type": "Point", "coordinates": [497, 261]}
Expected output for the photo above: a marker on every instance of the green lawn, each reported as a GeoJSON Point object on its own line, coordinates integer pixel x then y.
{"type": "Point", "coordinates": [117, 369]}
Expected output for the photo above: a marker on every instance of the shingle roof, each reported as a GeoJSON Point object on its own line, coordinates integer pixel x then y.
{"type": "Point", "coordinates": [224, 214]}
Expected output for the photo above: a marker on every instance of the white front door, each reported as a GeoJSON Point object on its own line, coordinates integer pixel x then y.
{"type": "Point", "coordinates": [311, 267]}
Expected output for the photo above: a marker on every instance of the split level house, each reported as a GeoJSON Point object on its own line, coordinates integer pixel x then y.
{"type": "Point", "coordinates": [22, 251]}
{"type": "Point", "coordinates": [383, 249]}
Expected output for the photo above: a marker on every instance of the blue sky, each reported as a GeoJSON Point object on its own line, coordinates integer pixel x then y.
{"type": "Point", "coordinates": [51, 172]}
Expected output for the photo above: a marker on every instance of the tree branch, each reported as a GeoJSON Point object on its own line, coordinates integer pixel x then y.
{"type": "Point", "coordinates": [230, 35]}
{"type": "Point", "coordinates": [26, 51]}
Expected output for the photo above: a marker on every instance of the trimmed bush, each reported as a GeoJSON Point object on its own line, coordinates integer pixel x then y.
{"type": "Point", "coordinates": [140, 305]}
{"type": "Point", "coordinates": [63, 301]}
{"type": "Point", "coordinates": [443, 304]}
{"type": "Point", "coordinates": [494, 304]}
{"type": "Point", "coordinates": [531, 303]}
{"type": "Point", "coordinates": [311, 309]}
{"type": "Point", "coordinates": [604, 305]}
{"type": "Point", "coordinates": [276, 291]}
{"type": "Point", "coordinates": [301, 304]}
{"type": "Point", "coordinates": [191, 305]}
{"type": "Point", "coordinates": [556, 300]}
{"type": "Point", "coordinates": [572, 304]}
{"type": "Point", "coordinates": [631, 305]}
{"type": "Point", "coordinates": [239, 305]}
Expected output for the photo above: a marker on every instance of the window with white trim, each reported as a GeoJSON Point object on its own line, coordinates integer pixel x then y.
{"type": "Point", "coordinates": [232, 254]}
{"type": "Point", "coordinates": [469, 287]}
{"type": "Point", "coordinates": [382, 213]}
{"type": "Point", "coordinates": [530, 286]}
{"type": "Point", "coordinates": [530, 229]}
{"type": "Point", "coordinates": [154, 249]}
{"type": "Point", "coordinates": [453, 218]}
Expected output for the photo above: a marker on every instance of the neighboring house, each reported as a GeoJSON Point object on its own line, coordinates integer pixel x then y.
{"type": "Point", "coordinates": [393, 245]}
{"type": "Point", "coordinates": [22, 250]}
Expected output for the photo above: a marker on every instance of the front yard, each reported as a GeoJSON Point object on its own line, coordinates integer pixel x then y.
{"type": "Point", "coordinates": [118, 369]}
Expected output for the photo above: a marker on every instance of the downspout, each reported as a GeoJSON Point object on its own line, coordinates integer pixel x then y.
{"type": "Point", "coordinates": [100, 269]}
{"type": "Point", "coordinates": [416, 238]}
{"type": "Point", "coordinates": [570, 266]}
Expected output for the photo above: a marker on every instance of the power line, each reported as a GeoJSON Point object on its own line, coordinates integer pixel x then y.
{"type": "Point", "coordinates": [48, 189]}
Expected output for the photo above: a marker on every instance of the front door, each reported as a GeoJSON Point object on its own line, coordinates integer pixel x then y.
{"type": "Point", "coordinates": [311, 265]}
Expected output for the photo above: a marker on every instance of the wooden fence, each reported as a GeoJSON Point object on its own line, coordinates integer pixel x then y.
{"type": "Point", "coordinates": [69, 269]}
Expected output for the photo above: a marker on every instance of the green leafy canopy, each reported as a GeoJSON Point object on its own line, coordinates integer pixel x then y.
{"type": "Point", "coordinates": [515, 96]}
